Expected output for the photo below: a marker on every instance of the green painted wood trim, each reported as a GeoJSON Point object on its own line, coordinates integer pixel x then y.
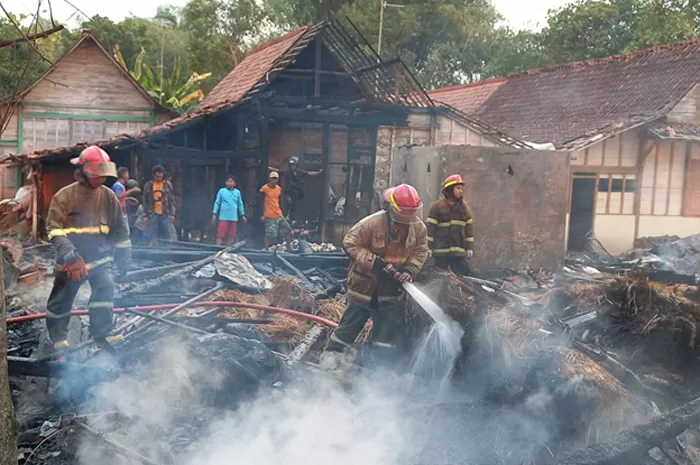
{"type": "Point", "coordinates": [20, 128]}
{"type": "Point", "coordinates": [8, 142]}
{"type": "Point", "coordinates": [153, 118]}
{"type": "Point", "coordinates": [41, 114]}
{"type": "Point", "coordinates": [82, 107]}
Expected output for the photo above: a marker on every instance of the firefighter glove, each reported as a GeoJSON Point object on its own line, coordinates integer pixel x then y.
{"type": "Point", "coordinates": [76, 271]}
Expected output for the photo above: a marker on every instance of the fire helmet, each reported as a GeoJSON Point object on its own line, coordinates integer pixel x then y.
{"type": "Point", "coordinates": [95, 162]}
{"type": "Point", "coordinates": [404, 204]}
{"type": "Point", "coordinates": [293, 160]}
{"type": "Point", "coordinates": [452, 180]}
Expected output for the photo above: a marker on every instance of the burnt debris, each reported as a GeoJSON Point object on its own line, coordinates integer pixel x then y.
{"type": "Point", "coordinates": [594, 364]}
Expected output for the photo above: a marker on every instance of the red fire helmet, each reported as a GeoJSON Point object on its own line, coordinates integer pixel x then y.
{"type": "Point", "coordinates": [405, 204]}
{"type": "Point", "coordinates": [95, 163]}
{"type": "Point", "coordinates": [452, 180]}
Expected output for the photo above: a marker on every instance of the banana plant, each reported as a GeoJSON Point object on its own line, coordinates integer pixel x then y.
{"type": "Point", "coordinates": [172, 93]}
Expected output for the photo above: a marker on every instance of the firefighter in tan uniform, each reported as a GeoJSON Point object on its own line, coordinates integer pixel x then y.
{"type": "Point", "coordinates": [387, 248]}
{"type": "Point", "coordinates": [84, 224]}
{"type": "Point", "coordinates": [451, 228]}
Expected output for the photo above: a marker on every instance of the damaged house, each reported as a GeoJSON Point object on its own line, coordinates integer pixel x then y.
{"type": "Point", "coordinates": [632, 125]}
{"type": "Point", "coordinates": [86, 95]}
{"type": "Point", "coordinates": [319, 93]}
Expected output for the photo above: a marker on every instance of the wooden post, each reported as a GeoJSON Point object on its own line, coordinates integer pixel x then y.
{"type": "Point", "coordinates": [8, 424]}
{"type": "Point", "coordinates": [317, 68]}
{"type": "Point", "coordinates": [35, 205]}
{"type": "Point", "coordinates": [264, 146]}
{"type": "Point", "coordinates": [327, 153]}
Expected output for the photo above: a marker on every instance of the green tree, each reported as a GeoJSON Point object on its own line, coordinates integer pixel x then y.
{"type": "Point", "coordinates": [173, 91]}
{"type": "Point", "coordinates": [219, 32]}
{"type": "Point", "coordinates": [442, 41]}
{"type": "Point", "coordinates": [513, 51]}
{"type": "Point", "coordinates": [665, 21]}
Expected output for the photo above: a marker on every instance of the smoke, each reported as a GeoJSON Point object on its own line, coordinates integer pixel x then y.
{"type": "Point", "coordinates": [507, 405]}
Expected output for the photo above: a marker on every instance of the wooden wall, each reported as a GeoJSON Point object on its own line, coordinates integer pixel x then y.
{"type": "Point", "coordinates": [643, 187]}
{"type": "Point", "coordinates": [92, 80]}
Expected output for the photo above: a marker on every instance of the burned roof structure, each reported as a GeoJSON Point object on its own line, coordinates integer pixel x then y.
{"type": "Point", "coordinates": [318, 93]}
{"type": "Point", "coordinates": [573, 104]}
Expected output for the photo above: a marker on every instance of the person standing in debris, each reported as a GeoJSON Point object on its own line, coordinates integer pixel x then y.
{"type": "Point", "coordinates": [228, 208]}
{"type": "Point", "coordinates": [85, 220]}
{"type": "Point", "coordinates": [119, 188]}
{"type": "Point", "coordinates": [387, 249]}
{"type": "Point", "coordinates": [159, 203]}
{"type": "Point", "coordinates": [275, 222]}
{"type": "Point", "coordinates": [292, 184]}
{"type": "Point", "coordinates": [451, 228]}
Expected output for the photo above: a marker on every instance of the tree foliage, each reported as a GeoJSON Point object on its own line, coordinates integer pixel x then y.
{"type": "Point", "coordinates": [442, 41]}
{"type": "Point", "coordinates": [173, 91]}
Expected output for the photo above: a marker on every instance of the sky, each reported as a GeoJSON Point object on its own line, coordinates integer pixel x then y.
{"type": "Point", "coordinates": [518, 13]}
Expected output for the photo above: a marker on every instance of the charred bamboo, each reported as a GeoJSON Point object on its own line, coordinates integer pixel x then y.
{"type": "Point", "coordinates": [632, 445]}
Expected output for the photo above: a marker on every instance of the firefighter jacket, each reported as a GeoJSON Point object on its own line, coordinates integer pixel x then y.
{"type": "Point", "coordinates": [91, 219]}
{"type": "Point", "coordinates": [450, 228]}
{"type": "Point", "coordinates": [371, 238]}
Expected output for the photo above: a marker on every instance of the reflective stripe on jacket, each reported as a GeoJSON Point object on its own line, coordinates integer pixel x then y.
{"type": "Point", "coordinates": [91, 219]}
{"type": "Point", "coordinates": [371, 238]}
{"type": "Point", "coordinates": [450, 228]}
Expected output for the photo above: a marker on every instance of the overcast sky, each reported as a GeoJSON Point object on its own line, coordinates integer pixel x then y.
{"type": "Point", "coordinates": [518, 13]}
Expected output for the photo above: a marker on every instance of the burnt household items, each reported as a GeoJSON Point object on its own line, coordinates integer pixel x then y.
{"type": "Point", "coordinates": [387, 248]}
{"type": "Point", "coordinates": [159, 205]}
{"type": "Point", "coordinates": [451, 228]}
{"type": "Point", "coordinates": [275, 223]}
{"type": "Point", "coordinates": [292, 183]}
{"type": "Point", "coordinates": [85, 222]}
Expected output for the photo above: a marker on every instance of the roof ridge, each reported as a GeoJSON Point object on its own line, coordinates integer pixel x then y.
{"type": "Point", "coordinates": [469, 85]}
{"type": "Point", "coordinates": [605, 60]}
{"type": "Point", "coordinates": [271, 42]}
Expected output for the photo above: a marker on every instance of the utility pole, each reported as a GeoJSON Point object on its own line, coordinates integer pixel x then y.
{"type": "Point", "coordinates": [383, 4]}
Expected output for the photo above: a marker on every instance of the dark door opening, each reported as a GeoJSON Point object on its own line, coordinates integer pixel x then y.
{"type": "Point", "coordinates": [581, 218]}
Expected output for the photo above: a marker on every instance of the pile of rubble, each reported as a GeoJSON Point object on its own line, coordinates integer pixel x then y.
{"type": "Point", "coordinates": [552, 366]}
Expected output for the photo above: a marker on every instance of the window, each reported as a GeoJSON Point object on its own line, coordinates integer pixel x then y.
{"type": "Point", "coordinates": [616, 194]}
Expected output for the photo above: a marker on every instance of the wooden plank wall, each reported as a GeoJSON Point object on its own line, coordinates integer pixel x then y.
{"type": "Point", "coordinates": [663, 179]}
{"type": "Point", "coordinates": [45, 133]}
{"type": "Point", "coordinates": [90, 79]}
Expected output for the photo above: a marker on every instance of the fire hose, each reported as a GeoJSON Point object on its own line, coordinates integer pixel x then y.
{"type": "Point", "coordinates": [150, 308]}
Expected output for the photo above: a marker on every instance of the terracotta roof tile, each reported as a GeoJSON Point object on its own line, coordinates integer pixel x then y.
{"type": "Point", "coordinates": [467, 98]}
{"type": "Point", "coordinates": [249, 72]}
{"type": "Point", "coordinates": [569, 102]}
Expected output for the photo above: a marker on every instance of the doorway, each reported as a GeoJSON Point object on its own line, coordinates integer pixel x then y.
{"type": "Point", "coordinates": [583, 191]}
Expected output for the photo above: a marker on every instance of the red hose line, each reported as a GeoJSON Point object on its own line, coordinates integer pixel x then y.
{"type": "Point", "coordinates": [149, 308]}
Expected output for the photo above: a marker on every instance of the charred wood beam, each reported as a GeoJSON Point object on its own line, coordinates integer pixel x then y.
{"type": "Point", "coordinates": [338, 103]}
{"type": "Point", "coordinates": [158, 319]}
{"type": "Point", "coordinates": [148, 273]}
{"type": "Point", "coordinates": [162, 280]}
{"type": "Point", "coordinates": [631, 445]}
{"type": "Point", "coordinates": [20, 366]}
{"type": "Point", "coordinates": [310, 338]}
{"type": "Point", "coordinates": [114, 444]}
{"type": "Point", "coordinates": [299, 260]}
{"type": "Point", "coordinates": [292, 268]}
{"type": "Point", "coordinates": [180, 307]}
{"type": "Point", "coordinates": [356, 121]}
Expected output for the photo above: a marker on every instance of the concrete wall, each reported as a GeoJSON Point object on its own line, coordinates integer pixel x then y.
{"type": "Point", "coordinates": [518, 196]}
{"type": "Point", "coordinates": [421, 131]}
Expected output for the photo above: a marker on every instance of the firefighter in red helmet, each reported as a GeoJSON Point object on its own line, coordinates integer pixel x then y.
{"type": "Point", "coordinates": [84, 224]}
{"type": "Point", "coordinates": [386, 249]}
{"type": "Point", "coordinates": [451, 228]}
